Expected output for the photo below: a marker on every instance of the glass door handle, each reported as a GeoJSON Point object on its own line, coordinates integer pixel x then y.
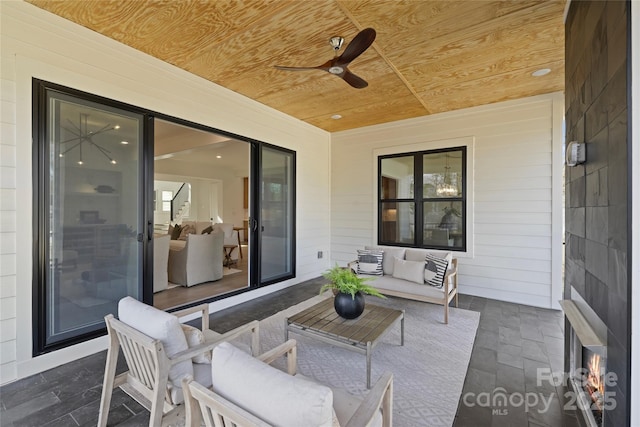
{"type": "Point", "coordinates": [149, 230]}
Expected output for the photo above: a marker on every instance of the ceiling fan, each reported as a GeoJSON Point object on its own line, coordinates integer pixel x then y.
{"type": "Point", "coordinates": [338, 65]}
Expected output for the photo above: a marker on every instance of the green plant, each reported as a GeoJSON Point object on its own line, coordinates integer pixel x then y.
{"type": "Point", "coordinates": [344, 280]}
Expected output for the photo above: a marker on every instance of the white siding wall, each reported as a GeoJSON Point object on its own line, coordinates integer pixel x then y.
{"type": "Point", "coordinates": [515, 208]}
{"type": "Point", "coordinates": [38, 44]}
{"type": "Point", "coordinates": [8, 182]}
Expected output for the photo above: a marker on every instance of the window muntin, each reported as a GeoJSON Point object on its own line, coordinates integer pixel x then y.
{"type": "Point", "coordinates": [428, 188]}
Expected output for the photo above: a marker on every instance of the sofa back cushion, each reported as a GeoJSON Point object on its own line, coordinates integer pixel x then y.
{"type": "Point", "coordinates": [415, 254]}
{"type": "Point", "coordinates": [186, 230]}
{"type": "Point", "coordinates": [413, 271]}
{"type": "Point", "coordinates": [390, 252]}
{"type": "Point", "coordinates": [268, 393]}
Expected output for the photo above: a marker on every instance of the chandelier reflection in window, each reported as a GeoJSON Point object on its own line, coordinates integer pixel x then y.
{"type": "Point", "coordinates": [83, 134]}
{"type": "Point", "coordinates": [446, 187]}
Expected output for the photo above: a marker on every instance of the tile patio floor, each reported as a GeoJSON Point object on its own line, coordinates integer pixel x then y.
{"type": "Point", "coordinates": [512, 342]}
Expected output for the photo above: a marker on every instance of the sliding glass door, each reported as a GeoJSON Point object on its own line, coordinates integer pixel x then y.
{"type": "Point", "coordinates": [93, 210]}
{"type": "Point", "coordinates": [277, 214]}
{"type": "Point", "coordinates": [89, 213]}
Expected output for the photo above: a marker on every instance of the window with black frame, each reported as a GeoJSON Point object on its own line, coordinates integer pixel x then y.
{"type": "Point", "coordinates": [422, 199]}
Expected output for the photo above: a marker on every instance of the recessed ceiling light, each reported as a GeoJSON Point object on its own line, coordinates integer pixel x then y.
{"type": "Point", "coordinates": [336, 117]}
{"type": "Point", "coordinates": [124, 142]}
{"type": "Point", "coordinates": [218, 156]}
{"type": "Point", "coordinates": [116, 127]}
{"type": "Point", "coordinates": [541, 72]}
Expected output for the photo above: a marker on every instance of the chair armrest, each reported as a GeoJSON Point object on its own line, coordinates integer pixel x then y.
{"type": "Point", "coordinates": [202, 308]}
{"type": "Point", "coordinates": [289, 349]}
{"type": "Point", "coordinates": [192, 352]}
{"type": "Point", "coordinates": [252, 327]}
{"type": "Point", "coordinates": [380, 397]}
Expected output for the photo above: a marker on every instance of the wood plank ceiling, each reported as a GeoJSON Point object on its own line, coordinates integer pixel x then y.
{"type": "Point", "coordinates": [428, 57]}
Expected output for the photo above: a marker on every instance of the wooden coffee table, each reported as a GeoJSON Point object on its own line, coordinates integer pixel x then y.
{"type": "Point", "coordinates": [321, 322]}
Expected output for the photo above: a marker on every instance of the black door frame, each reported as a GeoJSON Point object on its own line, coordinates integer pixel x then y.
{"type": "Point", "coordinates": [41, 197]}
{"type": "Point", "coordinates": [146, 183]}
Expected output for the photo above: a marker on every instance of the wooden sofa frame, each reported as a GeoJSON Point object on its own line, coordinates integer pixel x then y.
{"type": "Point", "coordinates": [448, 294]}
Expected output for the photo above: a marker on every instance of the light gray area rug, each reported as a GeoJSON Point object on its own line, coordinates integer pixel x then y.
{"type": "Point", "coordinates": [429, 370]}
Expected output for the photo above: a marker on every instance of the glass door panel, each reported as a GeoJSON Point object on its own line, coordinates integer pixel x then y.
{"type": "Point", "coordinates": [92, 176]}
{"type": "Point", "coordinates": [277, 214]}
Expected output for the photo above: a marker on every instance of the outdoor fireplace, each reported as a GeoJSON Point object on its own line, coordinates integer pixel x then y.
{"type": "Point", "coordinates": [587, 376]}
{"type": "Point", "coordinates": [594, 369]}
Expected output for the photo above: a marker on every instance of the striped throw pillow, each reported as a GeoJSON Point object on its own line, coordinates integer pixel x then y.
{"type": "Point", "coordinates": [434, 270]}
{"type": "Point", "coordinates": [370, 262]}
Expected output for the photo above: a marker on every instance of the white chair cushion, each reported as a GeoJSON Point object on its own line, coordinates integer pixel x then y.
{"type": "Point", "coordinates": [201, 375]}
{"type": "Point", "coordinates": [195, 337]}
{"type": "Point", "coordinates": [268, 393]}
{"type": "Point", "coordinates": [345, 405]}
{"type": "Point", "coordinates": [159, 325]}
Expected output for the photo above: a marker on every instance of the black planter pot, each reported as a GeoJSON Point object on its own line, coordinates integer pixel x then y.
{"type": "Point", "coordinates": [347, 307]}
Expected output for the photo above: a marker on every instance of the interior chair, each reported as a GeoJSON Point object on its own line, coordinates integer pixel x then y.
{"type": "Point", "coordinates": [161, 262]}
{"type": "Point", "coordinates": [231, 237]}
{"type": "Point", "coordinates": [248, 392]}
{"type": "Point", "coordinates": [159, 352]}
{"type": "Point", "coordinates": [199, 261]}
{"type": "Point", "coordinates": [436, 237]}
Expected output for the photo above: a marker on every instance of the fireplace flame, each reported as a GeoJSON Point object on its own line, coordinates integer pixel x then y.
{"type": "Point", "coordinates": [595, 384]}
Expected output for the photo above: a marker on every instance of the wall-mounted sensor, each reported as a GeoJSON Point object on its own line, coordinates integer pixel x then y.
{"type": "Point", "coordinates": [576, 153]}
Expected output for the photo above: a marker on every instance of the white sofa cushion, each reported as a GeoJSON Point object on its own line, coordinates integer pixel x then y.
{"type": "Point", "coordinates": [414, 271]}
{"type": "Point", "coordinates": [185, 230]}
{"type": "Point", "coordinates": [390, 283]}
{"type": "Point", "coordinates": [161, 326]}
{"type": "Point", "coordinates": [198, 226]}
{"type": "Point", "coordinates": [270, 394]}
{"type": "Point", "coordinates": [415, 254]}
{"type": "Point", "coordinates": [390, 252]}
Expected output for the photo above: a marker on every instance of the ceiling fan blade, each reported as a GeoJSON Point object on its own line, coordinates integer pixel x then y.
{"type": "Point", "coordinates": [354, 80]}
{"type": "Point", "coordinates": [296, 68]}
{"type": "Point", "coordinates": [358, 45]}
